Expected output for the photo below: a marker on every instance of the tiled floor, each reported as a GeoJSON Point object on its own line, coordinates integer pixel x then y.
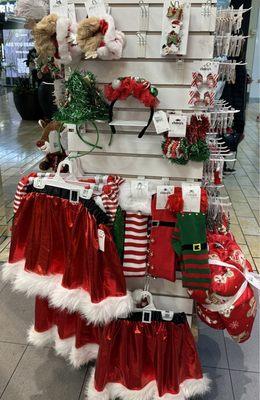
{"type": "Point", "coordinates": [30, 374]}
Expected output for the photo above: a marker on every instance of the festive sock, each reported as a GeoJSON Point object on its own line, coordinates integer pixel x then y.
{"type": "Point", "coordinates": [190, 243]}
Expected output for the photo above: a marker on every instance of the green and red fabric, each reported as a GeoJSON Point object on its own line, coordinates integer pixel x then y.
{"type": "Point", "coordinates": [190, 244]}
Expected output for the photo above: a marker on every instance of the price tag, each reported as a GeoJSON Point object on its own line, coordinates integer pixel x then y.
{"type": "Point", "coordinates": [167, 315]}
{"type": "Point", "coordinates": [191, 196]}
{"type": "Point", "coordinates": [162, 196]}
{"type": "Point", "coordinates": [178, 125]}
{"type": "Point", "coordinates": [86, 193]}
{"type": "Point", "coordinates": [96, 8]}
{"type": "Point", "coordinates": [54, 142]}
{"type": "Point", "coordinates": [101, 239]}
{"type": "Point", "coordinates": [38, 183]}
{"type": "Point", "coordinates": [139, 189]}
{"type": "Point", "coordinates": [160, 121]}
{"type": "Point", "coordinates": [59, 7]}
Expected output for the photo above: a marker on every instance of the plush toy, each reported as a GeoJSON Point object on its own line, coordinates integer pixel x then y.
{"type": "Point", "coordinates": [44, 33]}
{"type": "Point", "coordinates": [55, 37]}
{"type": "Point", "coordinates": [99, 38]}
{"type": "Point", "coordinates": [89, 36]}
{"type": "Point", "coordinates": [47, 144]}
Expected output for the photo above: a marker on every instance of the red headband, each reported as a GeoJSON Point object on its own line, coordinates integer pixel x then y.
{"type": "Point", "coordinates": [141, 89]}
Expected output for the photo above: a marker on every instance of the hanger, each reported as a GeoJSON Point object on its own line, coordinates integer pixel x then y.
{"type": "Point", "coordinates": [76, 190]}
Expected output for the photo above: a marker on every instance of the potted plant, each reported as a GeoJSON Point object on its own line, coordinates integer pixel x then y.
{"type": "Point", "coordinates": [26, 101]}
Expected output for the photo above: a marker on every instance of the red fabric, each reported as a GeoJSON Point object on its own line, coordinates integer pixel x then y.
{"type": "Point", "coordinates": [136, 353]}
{"type": "Point", "coordinates": [56, 236]}
{"type": "Point", "coordinates": [175, 201]}
{"type": "Point", "coordinates": [161, 256]}
{"type": "Point", "coordinates": [103, 26]}
{"type": "Point", "coordinates": [131, 87]}
{"type": "Point", "coordinates": [68, 325]}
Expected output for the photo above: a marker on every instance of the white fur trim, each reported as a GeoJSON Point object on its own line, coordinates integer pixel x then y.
{"type": "Point", "coordinates": [62, 34]}
{"type": "Point", "coordinates": [130, 203]}
{"type": "Point", "coordinates": [64, 347]}
{"type": "Point", "coordinates": [83, 355]}
{"type": "Point", "coordinates": [73, 300]}
{"type": "Point", "coordinates": [41, 339]}
{"type": "Point", "coordinates": [112, 391]}
{"type": "Point", "coordinates": [114, 42]}
{"type": "Point", "coordinates": [195, 387]}
{"type": "Point", "coordinates": [97, 313]}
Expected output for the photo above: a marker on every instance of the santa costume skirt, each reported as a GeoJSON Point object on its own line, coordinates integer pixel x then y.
{"type": "Point", "coordinates": [55, 253]}
{"type": "Point", "coordinates": [69, 334]}
{"type": "Point", "coordinates": [143, 361]}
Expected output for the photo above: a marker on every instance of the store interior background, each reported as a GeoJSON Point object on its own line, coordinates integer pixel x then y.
{"type": "Point", "coordinates": [233, 368]}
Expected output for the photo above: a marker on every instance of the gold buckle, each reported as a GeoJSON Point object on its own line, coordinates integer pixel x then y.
{"type": "Point", "coordinates": [196, 247]}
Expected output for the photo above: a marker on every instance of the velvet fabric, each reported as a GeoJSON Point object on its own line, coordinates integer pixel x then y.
{"type": "Point", "coordinates": [161, 255]}
{"type": "Point", "coordinates": [134, 353]}
{"type": "Point", "coordinates": [68, 325]}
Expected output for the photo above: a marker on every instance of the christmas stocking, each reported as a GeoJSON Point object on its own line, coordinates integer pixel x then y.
{"type": "Point", "coordinates": [190, 243]}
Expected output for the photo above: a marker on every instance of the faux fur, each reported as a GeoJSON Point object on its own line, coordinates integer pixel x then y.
{"type": "Point", "coordinates": [83, 355]}
{"type": "Point", "coordinates": [41, 339]}
{"type": "Point", "coordinates": [112, 391]}
{"type": "Point", "coordinates": [97, 313]}
{"type": "Point", "coordinates": [114, 42]}
{"type": "Point", "coordinates": [77, 357]}
{"type": "Point", "coordinates": [74, 300]}
{"type": "Point", "coordinates": [62, 32]}
{"type": "Point", "coordinates": [130, 203]}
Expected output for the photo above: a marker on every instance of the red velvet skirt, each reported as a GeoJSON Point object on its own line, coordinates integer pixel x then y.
{"type": "Point", "coordinates": [138, 358]}
{"type": "Point", "coordinates": [69, 334]}
{"type": "Point", "coordinates": [55, 253]}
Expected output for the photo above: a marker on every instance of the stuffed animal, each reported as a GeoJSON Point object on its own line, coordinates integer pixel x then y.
{"type": "Point", "coordinates": [55, 37]}
{"type": "Point", "coordinates": [44, 33]}
{"type": "Point", "coordinates": [89, 36]}
{"type": "Point", "coordinates": [98, 38]}
{"type": "Point", "coordinates": [47, 144]}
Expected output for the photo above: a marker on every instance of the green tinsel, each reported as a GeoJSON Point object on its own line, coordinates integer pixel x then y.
{"type": "Point", "coordinates": [199, 151]}
{"type": "Point", "coordinates": [85, 102]}
{"type": "Point", "coordinates": [119, 231]}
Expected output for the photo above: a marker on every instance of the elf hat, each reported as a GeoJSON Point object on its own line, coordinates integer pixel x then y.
{"type": "Point", "coordinates": [124, 87]}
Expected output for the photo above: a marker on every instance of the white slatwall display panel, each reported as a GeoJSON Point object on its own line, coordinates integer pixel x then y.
{"type": "Point", "coordinates": [128, 155]}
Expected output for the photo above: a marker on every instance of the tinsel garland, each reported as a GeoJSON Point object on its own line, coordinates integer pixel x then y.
{"type": "Point", "coordinates": [85, 102]}
{"type": "Point", "coordinates": [199, 151]}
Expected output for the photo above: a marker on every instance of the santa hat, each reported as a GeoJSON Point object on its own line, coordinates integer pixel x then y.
{"type": "Point", "coordinates": [62, 34]}
{"type": "Point", "coordinates": [113, 42]}
{"type": "Point", "coordinates": [69, 52]}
